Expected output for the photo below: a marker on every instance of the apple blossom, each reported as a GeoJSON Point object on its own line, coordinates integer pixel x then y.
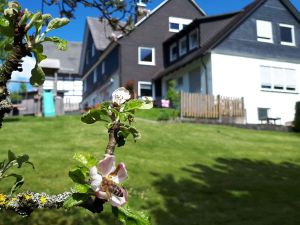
{"type": "Point", "coordinates": [120, 95]}
{"type": "Point", "coordinates": [105, 179]}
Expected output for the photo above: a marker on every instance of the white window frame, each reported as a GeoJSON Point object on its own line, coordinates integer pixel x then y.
{"type": "Point", "coordinates": [293, 43]}
{"type": "Point", "coordinates": [171, 57]}
{"type": "Point", "coordinates": [284, 84]}
{"type": "Point", "coordinates": [93, 50]}
{"type": "Point", "coordinates": [103, 67]}
{"type": "Point", "coordinates": [190, 40]}
{"type": "Point", "coordinates": [264, 31]}
{"type": "Point", "coordinates": [84, 85]}
{"type": "Point", "coordinates": [95, 75]}
{"type": "Point", "coordinates": [140, 84]}
{"type": "Point", "coordinates": [180, 21]}
{"type": "Point", "coordinates": [144, 62]}
{"type": "Point", "coordinates": [181, 51]}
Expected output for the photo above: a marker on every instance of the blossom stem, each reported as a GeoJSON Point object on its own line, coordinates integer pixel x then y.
{"type": "Point", "coordinates": [112, 138]}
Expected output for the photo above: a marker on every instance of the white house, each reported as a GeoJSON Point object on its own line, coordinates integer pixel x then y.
{"type": "Point", "coordinates": [253, 53]}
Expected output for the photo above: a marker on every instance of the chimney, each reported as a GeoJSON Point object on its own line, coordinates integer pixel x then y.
{"type": "Point", "coordinates": [141, 10]}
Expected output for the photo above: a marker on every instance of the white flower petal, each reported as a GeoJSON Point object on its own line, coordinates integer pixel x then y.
{"type": "Point", "coordinates": [120, 174]}
{"type": "Point", "coordinates": [119, 201]}
{"type": "Point", "coordinates": [107, 165]}
{"type": "Point", "coordinates": [93, 172]}
{"type": "Point", "coordinates": [102, 195]}
{"type": "Point", "coordinates": [120, 95]}
{"type": "Point", "coordinates": [95, 183]}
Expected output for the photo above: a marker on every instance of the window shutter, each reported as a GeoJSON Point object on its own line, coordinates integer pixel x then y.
{"type": "Point", "coordinates": [278, 78]}
{"type": "Point", "coordinates": [264, 31]}
{"type": "Point", "coordinates": [266, 77]}
{"type": "Point", "coordinates": [291, 79]}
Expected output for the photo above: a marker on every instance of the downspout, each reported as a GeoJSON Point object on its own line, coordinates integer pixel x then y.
{"type": "Point", "coordinates": [206, 75]}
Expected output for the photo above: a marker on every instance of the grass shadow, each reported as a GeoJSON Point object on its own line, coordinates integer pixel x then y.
{"type": "Point", "coordinates": [232, 192]}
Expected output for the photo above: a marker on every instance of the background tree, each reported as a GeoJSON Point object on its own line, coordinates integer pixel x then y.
{"type": "Point", "coordinates": [114, 11]}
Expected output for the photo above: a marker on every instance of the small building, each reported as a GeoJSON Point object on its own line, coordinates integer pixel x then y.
{"type": "Point", "coordinates": [62, 74]}
{"type": "Point", "coordinates": [253, 53]}
{"type": "Point", "coordinates": [107, 64]}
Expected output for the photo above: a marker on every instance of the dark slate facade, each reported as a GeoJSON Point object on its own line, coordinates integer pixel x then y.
{"type": "Point", "coordinates": [111, 64]}
{"type": "Point", "coordinates": [88, 54]}
{"type": "Point", "coordinates": [243, 41]}
{"type": "Point", "coordinates": [152, 32]}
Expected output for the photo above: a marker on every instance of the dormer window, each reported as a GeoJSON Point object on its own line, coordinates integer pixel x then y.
{"type": "Point", "coordinates": [177, 24]}
{"type": "Point", "coordinates": [173, 52]}
{"type": "Point", "coordinates": [264, 31]}
{"type": "Point", "coordinates": [95, 74]}
{"type": "Point", "coordinates": [93, 50]}
{"type": "Point", "coordinates": [182, 46]}
{"type": "Point", "coordinates": [193, 39]}
{"type": "Point", "coordinates": [287, 34]}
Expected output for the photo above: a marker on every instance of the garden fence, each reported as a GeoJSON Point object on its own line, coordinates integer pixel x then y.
{"type": "Point", "coordinates": [194, 105]}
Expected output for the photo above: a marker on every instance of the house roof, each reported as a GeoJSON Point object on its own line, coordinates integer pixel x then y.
{"type": "Point", "coordinates": [68, 61]}
{"type": "Point", "coordinates": [161, 5]}
{"type": "Point", "coordinates": [101, 31]}
{"type": "Point", "coordinates": [217, 29]}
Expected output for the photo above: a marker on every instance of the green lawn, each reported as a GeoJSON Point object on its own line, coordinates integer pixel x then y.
{"type": "Point", "coordinates": [182, 174]}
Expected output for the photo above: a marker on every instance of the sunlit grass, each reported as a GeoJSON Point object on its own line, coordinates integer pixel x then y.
{"type": "Point", "coordinates": [179, 173]}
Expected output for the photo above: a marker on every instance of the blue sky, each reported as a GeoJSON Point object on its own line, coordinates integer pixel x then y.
{"type": "Point", "coordinates": [74, 30]}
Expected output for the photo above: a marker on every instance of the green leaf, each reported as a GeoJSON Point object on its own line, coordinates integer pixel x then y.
{"type": "Point", "coordinates": [18, 183]}
{"type": "Point", "coordinates": [75, 199]}
{"type": "Point", "coordinates": [95, 115]}
{"type": "Point", "coordinates": [46, 16]}
{"type": "Point", "coordinates": [131, 130]}
{"type": "Point", "coordinates": [130, 217]}
{"type": "Point", "coordinates": [78, 175]}
{"type": "Point", "coordinates": [24, 18]}
{"type": "Point", "coordinates": [34, 18]}
{"type": "Point", "coordinates": [60, 43]}
{"type": "Point", "coordinates": [82, 188]}
{"type": "Point", "coordinates": [4, 22]}
{"type": "Point", "coordinates": [86, 159]}
{"type": "Point", "coordinates": [138, 104]}
{"type": "Point", "coordinates": [37, 76]}
{"type": "Point", "coordinates": [57, 23]}
{"type": "Point", "coordinates": [11, 156]}
{"type": "Point", "coordinates": [38, 50]}
{"type": "Point", "coordinates": [23, 159]}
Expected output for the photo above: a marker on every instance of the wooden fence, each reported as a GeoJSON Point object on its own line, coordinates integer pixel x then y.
{"type": "Point", "coordinates": [195, 105]}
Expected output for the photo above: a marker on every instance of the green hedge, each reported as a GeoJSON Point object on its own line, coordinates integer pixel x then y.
{"type": "Point", "coordinates": [297, 117]}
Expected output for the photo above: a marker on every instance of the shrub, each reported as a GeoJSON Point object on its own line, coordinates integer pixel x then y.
{"type": "Point", "coordinates": [163, 116]}
{"type": "Point", "coordinates": [297, 117]}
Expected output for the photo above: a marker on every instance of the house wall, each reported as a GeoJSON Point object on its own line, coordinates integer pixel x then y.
{"type": "Point", "coordinates": [203, 66]}
{"type": "Point", "coordinates": [88, 54]}
{"type": "Point", "coordinates": [151, 33]}
{"type": "Point", "coordinates": [243, 41]}
{"type": "Point", "coordinates": [236, 76]}
{"type": "Point", "coordinates": [111, 62]}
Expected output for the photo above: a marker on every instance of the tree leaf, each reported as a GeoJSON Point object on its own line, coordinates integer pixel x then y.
{"type": "Point", "coordinates": [130, 217]}
{"type": "Point", "coordinates": [33, 18]}
{"type": "Point", "coordinates": [82, 188]}
{"type": "Point", "coordinates": [60, 43]}
{"type": "Point", "coordinates": [11, 156]}
{"type": "Point", "coordinates": [95, 115]}
{"type": "Point", "coordinates": [4, 22]}
{"type": "Point", "coordinates": [86, 159]}
{"type": "Point", "coordinates": [57, 23]}
{"type": "Point", "coordinates": [23, 159]}
{"type": "Point", "coordinates": [38, 50]}
{"type": "Point", "coordinates": [127, 129]}
{"type": "Point", "coordinates": [78, 175]}
{"type": "Point", "coordinates": [37, 76]}
{"type": "Point", "coordinates": [18, 183]}
{"type": "Point", "coordinates": [75, 199]}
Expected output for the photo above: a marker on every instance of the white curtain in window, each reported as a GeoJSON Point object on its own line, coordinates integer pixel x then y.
{"type": "Point", "coordinates": [278, 77]}
{"type": "Point", "coordinates": [266, 76]}
{"type": "Point", "coordinates": [291, 78]}
{"type": "Point", "coordinates": [264, 30]}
